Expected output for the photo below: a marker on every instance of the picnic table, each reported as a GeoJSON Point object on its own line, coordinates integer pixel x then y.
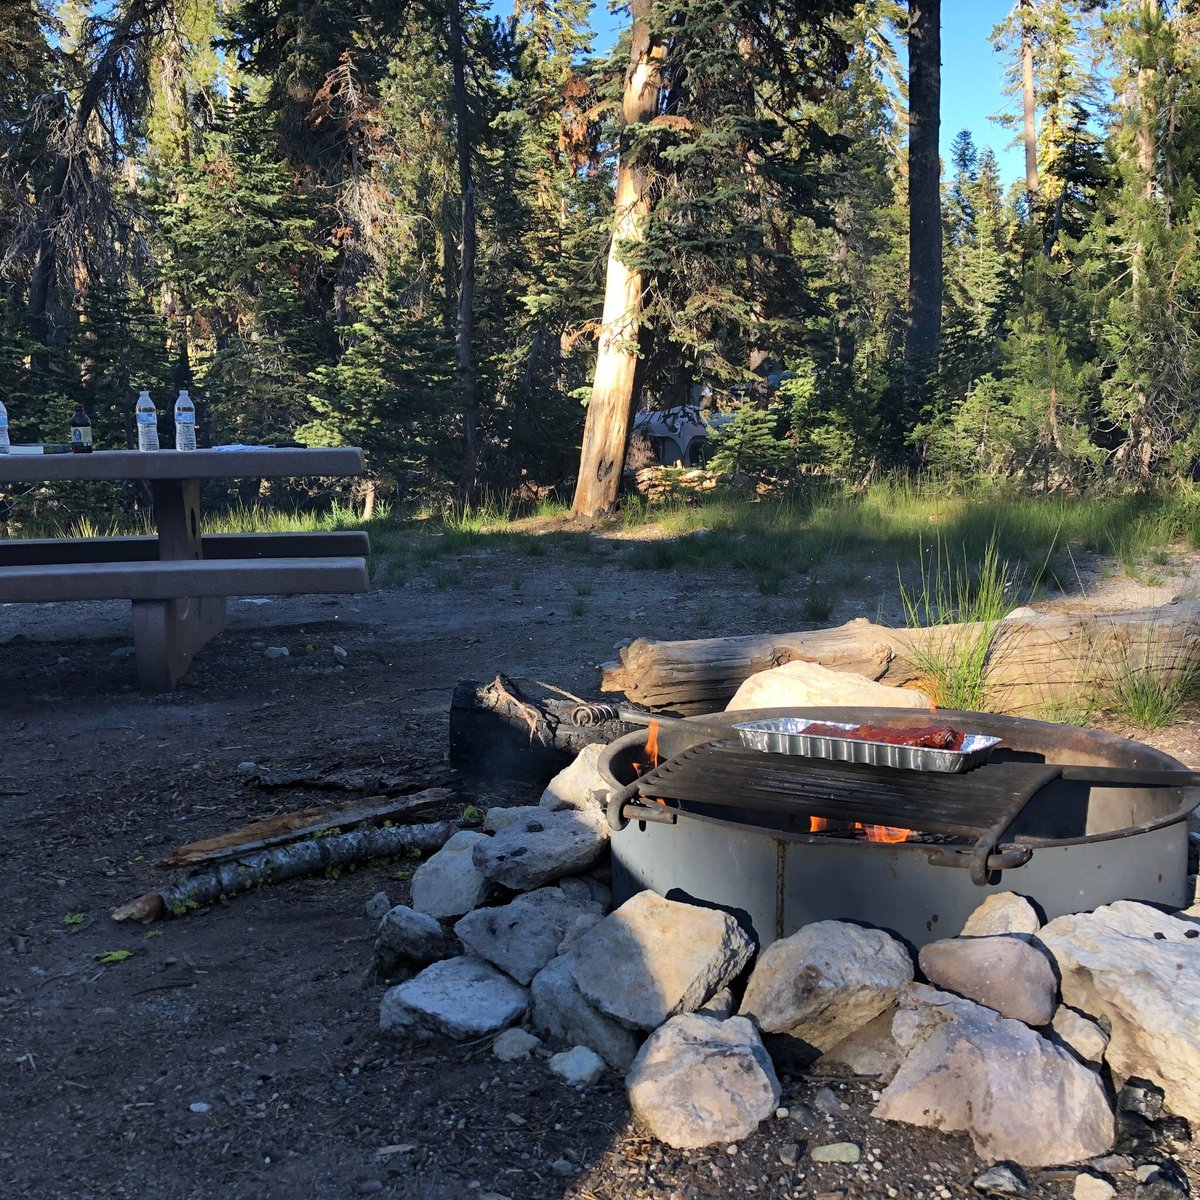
{"type": "Point", "coordinates": [179, 577]}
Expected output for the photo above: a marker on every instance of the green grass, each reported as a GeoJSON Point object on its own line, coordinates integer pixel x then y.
{"type": "Point", "coordinates": [953, 591]}
{"type": "Point", "coordinates": [1151, 687]}
{"type": "Point", "coordinates": [817, 605]}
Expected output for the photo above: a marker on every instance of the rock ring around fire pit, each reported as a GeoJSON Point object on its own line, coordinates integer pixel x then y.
{"type": "Point", "coordinates": [774, 839]}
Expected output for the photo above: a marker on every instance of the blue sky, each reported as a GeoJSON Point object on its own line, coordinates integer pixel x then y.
{"type": "Point", "coordinates": [973, 80]}
{"type": "Point", "coordinates": [972, 74]}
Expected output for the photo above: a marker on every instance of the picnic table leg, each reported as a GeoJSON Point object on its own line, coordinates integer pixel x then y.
{"type": "Point", "coordinates": [168, 633]}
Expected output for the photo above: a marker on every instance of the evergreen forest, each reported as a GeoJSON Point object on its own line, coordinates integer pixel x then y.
{"type": "Point", "coordinates": [473, 243]}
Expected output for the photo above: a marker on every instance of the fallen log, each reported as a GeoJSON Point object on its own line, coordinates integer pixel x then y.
{"type": "Point", "coordinates": [306, 822]}
{"type": "Point", "coordinates": [310, 857]}
{"type": "Point", "coordinates": [518, 729]}
{"type": "Point", "coordinates": [1034, 662]}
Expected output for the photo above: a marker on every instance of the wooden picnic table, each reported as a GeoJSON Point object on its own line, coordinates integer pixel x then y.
{"type": "Point", "coordinates": [178, 578]}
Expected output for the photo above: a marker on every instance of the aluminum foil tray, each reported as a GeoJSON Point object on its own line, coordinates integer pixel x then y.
{"type": "Point", "coordinates": [785, 735]}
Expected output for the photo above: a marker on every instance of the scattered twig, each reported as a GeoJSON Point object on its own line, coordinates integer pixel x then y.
{"type": "Point", "coordinates": [291, 827]}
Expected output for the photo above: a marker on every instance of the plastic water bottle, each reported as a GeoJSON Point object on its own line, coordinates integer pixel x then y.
{"type": "Point", "coordinates": [147, 422]}
{"type": "Point", "coordinates": [4, 442]}
{"type": "Point", "coordinates": [185, 422]}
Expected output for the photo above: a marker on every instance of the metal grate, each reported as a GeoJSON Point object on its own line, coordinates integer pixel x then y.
{"type": "Point", "coordinates": [981, 802]}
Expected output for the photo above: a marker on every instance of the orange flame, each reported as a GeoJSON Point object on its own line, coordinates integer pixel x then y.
{"type": "Point", "coordinates": [884, 833]}
{"type": "Point", "coordinates": [652, 743]}
{"type": "Point", "coordinates": [817, 824]}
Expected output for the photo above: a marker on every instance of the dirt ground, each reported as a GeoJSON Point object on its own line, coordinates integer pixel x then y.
{"type": "Point", "coordinates": [236, 1054]}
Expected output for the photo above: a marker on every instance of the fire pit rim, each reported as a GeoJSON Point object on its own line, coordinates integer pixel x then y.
{"type": "Point", "coordinates": [1155, 759]}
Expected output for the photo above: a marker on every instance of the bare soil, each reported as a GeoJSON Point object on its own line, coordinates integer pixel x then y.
{"type": "Point", "coordinates": [236, 1053]}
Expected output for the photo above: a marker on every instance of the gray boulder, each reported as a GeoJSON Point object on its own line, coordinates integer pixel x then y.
{"type": "Point", "coordinates": [1004, 972]}
{"type": "Point", "coordinates": [653, 958]}
{"type": "Point", "coordinates": [408, 939]}
{"type": "Point", "coordinates": [700, 1081]}
{"type": "Point", "coordinates": [825, 981]}
{"type": "Point", "coordinates": [560, 1011]}
{"type": "Point", "coordinates": [1139, 970]}
{"type": "Point", "coordinates": [497, 820]}
{"type": "Point", "coordinates": [539, 848]}
{"type": "Point", "coordinates": [449, 884]}
{"type": "Point", "coordinates": [522, 937]}
{"type": "Point", "coordinates": [460, 997]}
{"type": "Point", "coordinates": [1002, 912]}
{"type": "Point", "coordinates": [1017, 1096]}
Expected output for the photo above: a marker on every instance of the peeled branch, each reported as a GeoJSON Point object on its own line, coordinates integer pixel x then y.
{"type": "Point", "coordinates": [311, 857]}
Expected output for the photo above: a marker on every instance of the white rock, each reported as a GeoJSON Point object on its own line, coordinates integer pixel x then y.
{"type": "Point", "coordinates": [587, 887]}
{"type": "Point", "coordinates": [496, 820]}
{"type": "Point", "coordinates": [513, 1044]}
{"type": "Point", "coordinates": [577, 929]}
{"type": "Point", "coordinates": [825, 981]}
{"type": "Point", "coordinates": [537, 850]}
{"type": "Point", "coordinates": [1002, 912]}
{"type": "Point", "coordinates": [522, 937]}
{"type": "Point", "coordinates": [721, 1005]}
{"type": "Point", "coordinates": [559, 1011]}
{"type": "Point", "coordinates": [1017, 1096]}
{"type": "Point", "coordinates": [576, 786]}
{"type": "Point", "coordinates": [806, 684]}
{"type": "Point", "coordinates": [1092, 1187]}
{"type": "Point", "coordinates": [1081, 1033]}
{"type": "Point", "coordinates": [653, 958]}
{"type": "Point", "coordinates": [408, 938]}
{"type": "Point", "coordinates": [448, 883]}
{"type": "Point", "coordinates": [460, 997]}
{"type": "Point", "coordinates": [1147, 987]}
{"type": "Point", "coordinates": [579, 1066]}
{"type": "Point", "coordinates": [378, 906]}
{"type": "Point", "coordinates": [699, 1081]}
{"type": "Point", "coordinates": [871, 1051]}
{"type": "Point", "coordinates": [1004, 972]}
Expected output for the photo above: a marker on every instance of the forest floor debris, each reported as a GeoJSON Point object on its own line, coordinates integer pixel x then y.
{"type": "Point", "coordinates": [258, 1009]}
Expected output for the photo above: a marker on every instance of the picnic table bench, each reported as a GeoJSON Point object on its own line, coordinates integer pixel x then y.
{"type": "Point", "coordinates": [179, 577]}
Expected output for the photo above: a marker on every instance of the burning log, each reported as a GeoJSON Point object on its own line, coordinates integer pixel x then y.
{"type": "Point", "coordinates": [523, 729]}
{"type": "Point", "coordinates": [1032, 663]}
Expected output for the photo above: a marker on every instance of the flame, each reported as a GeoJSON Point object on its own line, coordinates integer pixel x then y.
{"type": "Point", "coordinates": [884, 833]}
{"type": "Point", "coordinates": [817, 824]}
{"type": "Point", "coordinates": [652, 744]}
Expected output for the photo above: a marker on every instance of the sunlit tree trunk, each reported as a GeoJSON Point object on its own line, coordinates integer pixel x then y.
{"type": "Point", "coordinates": [1028, 101]}
{"type": "Point", "coordinates": [606, 430]}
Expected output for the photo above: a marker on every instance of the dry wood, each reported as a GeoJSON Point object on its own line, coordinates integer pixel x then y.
{"type": "Point", "coordinates": [1034, 663]}
{"type": "Point", "coordinates": [310, 857]}
{"type": "Point", "coordinates": [291, 826]}
{"type": "Point", "coordinates": [503, 730]}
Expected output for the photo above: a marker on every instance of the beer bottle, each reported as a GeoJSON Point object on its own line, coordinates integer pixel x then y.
{"type": "Point", "coordinates": [81, 431]}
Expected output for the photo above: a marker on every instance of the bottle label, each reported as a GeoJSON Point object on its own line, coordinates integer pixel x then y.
{"type": "Point", "coordinates": [3, 420]}
{"type": "Point", "coordinates": [147, 418]}
{"type": "Point", "coordinates": [185, 416]}
{"type": "Point", "coordinates": [81, 435]}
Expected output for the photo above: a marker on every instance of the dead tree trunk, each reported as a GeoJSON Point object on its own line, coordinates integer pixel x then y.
{"type": "Point", "coordinates": [1033, 664]}
{"type": "Point", "coordinates": [606, 429]}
